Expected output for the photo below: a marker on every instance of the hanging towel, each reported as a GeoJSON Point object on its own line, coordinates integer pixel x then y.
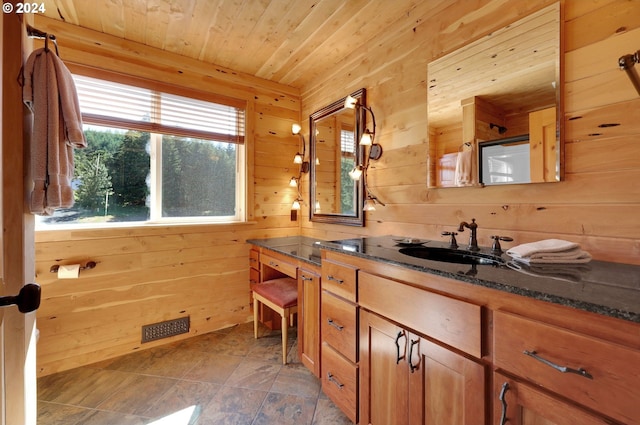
{"type": "Point", "coordinates": [464, 174]}
{"type": "Point", "coordinates": [550, 251]}
{"type": "Point", "coordinates": [50, 94]}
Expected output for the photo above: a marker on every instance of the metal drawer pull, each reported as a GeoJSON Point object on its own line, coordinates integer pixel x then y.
{"type": "Point", "coordinates": [340, 281]}
{"type": "Point", "coordinates": [303, 277]}
{"type": "Point", "coordinates": [334, 380]}
{"type": "Point", "coordinates": [563, 369]}
{"type": "Point", "coordinates": [398, 356]}
{"type": "Point", "coordinates": [411, 365]}
{"type": "Point", "coordinates": [334, 324]}
{"type": "Point", "coordinates": [272, 264]}
{"type": "Point", "coordinates": [503, 392]}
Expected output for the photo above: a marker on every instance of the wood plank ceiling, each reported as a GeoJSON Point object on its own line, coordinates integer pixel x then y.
{"type": "Point", "coordinates": [287, 41]}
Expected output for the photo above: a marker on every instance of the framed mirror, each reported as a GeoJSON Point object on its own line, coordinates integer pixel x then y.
{"type": "Point", "coordinates": [334, 151]}
{"type": "Point", "coordinates": [494, 106]}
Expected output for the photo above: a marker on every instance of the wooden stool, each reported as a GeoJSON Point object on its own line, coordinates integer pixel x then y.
{"type": "Point", "coordinates": [281, 295]}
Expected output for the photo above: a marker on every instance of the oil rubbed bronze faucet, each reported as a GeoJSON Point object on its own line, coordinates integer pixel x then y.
{"type": "Point", "coordinates": [473, 227]}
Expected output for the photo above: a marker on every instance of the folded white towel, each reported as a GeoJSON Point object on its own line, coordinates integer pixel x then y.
{"type": "Point", "coordinates": [554, 251]}
{"type": "Point", "coordinates": [546, 245]}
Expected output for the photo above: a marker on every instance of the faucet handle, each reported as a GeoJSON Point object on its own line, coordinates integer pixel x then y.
{"type": "Point", "coordinates": [496, 248]}
{"type": "Point", "coordinates": [453, 243]}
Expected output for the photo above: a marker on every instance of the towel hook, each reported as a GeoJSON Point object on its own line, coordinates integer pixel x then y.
{"type": "Point", "coordinates": [626, 63]}
{"type": "Point", "coordinates": [36, 33]}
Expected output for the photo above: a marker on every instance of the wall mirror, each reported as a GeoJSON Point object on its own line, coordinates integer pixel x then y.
{"type": "Point", "coordinates": [493, 107]}
{"type": "Point", "coordinates": [335, 131]}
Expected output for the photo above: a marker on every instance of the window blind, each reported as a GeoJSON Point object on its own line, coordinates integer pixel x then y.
{"type": "Point", "coordinates": [124, 106]}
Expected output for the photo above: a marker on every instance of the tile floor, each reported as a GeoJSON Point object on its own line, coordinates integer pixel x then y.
{"type": "Point", "coordinates": [224, 377]}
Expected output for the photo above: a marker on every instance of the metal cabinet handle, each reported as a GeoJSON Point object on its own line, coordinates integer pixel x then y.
{"type": "Point", "coordinates": [503, 392]}
{"type": "Point", "coordinates": [272, 264]}
{"type": "Point", "coordinates": [398, 356]}
{"type": "Point", "coordinates": [563, 369]}
{"type": "Point", "coordinates": [334, 380]}
{"type": "Point", "coordinates": [303, 277]}
{"type": "Point", "coordinates": [412, 366]}
{"type": "Point", "coordinates": [335, 279]}
{"type": "Point", "coordinates": [335, 325]}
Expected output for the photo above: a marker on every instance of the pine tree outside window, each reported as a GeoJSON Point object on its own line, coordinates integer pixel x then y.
{"type": "Point", "coordinates": [155, 157]}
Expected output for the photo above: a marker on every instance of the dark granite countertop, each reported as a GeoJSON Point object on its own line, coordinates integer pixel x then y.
{"type": "Point", "coordinates": [605, 288]}
{"type": "Point", "coordinates": [298, 247]}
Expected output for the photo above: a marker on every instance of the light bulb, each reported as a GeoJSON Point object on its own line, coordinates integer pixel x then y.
{"type": "Point", "coordinates": [356, 173]}
{"type": "Point", "coordinates": [295, 128]}
{"type": "Point", "coordinates": [350, 102]}
{"type": "Point", "coordinates": [298, 158]}
{"type": "Point", "coordinates": [295, 205]}
{"type": "Point", "coordinates": [293, 182]}
{"type": "Point", "coordinates": [366, 138]}
{"type": "Point", "coordinates": [369, 205]}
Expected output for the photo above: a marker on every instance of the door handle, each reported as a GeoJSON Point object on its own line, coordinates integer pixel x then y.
{"type": "Point", "coordinates": [27, 300]}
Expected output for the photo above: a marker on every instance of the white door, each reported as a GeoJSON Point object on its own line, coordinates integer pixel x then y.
{"type": "Point", "coordinates": [17, 330]}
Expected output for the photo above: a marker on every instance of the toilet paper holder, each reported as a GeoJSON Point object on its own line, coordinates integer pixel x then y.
{"type": "Point", "coordinates": [89, 265]}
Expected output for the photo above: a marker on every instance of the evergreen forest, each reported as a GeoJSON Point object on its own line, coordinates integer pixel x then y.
{"type": "Point", "coordinates": [112, 178]}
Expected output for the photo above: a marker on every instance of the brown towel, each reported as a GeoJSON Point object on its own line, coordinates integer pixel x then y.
{"type": "Point", "coordinates": [50, 93]}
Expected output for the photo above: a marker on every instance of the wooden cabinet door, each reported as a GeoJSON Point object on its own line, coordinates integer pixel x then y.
{"type": "Point", "coordinates": [445, 387]}
{"type": "Point", "coordinates": [309, 320]}
{"type": "Point", "coordinates": [384, 372]}
{"type": "Point", "coordinates": [407, 379]}
{"type": "Point", "coordinates": [516, 403]}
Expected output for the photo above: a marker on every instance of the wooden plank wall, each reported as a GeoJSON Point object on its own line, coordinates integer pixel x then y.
{"type": "Point", "coordinates": [598, 202]}
{"type": "Point", "coordinates": [146, 275]}
{"type": "Point", "coordinates": [154, 273]}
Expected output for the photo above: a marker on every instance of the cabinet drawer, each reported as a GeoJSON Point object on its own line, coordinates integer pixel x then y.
{"type": "Point", "coordinates": [613, 389]}
{"type": "Point", "coordinates": [254, 259]}
{"type": "Point", "coordinates": [277, 264]}
{"type": "Point", "coordinates": [454, 322]}
{"type": "Point", "coordinates": [254, 276]}
{"type": "Point", "coordinates": [340, 381]}
{"type": "Point", "coordinates": [339, 279]}
{"type": "Point", "coordinates": [339, 325]}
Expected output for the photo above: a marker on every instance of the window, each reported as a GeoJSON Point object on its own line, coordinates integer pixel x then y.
{"type": "Point", "coordinates": [348, 187]}
{"type": "Point", "coordinates": [153, 156]}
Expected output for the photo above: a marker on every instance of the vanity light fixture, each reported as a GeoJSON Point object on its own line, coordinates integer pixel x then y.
{"type": "Point", "coordinates": [299, 158]}
{"type": "Point", "coordinates": [374, 152]}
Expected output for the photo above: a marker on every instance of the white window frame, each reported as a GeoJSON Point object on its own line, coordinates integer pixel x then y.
{"type": "Point", "coordinates": [155, 195]}
{"type": "Point", "coordinates": [155, 155]}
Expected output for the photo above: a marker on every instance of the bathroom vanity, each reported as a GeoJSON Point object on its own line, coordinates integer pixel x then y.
{"type": "Point", "coordinates": [405, 340]}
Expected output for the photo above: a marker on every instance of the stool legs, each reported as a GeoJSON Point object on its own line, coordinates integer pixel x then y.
{"type": "Point", "coordinates": [255, 317]}
{"type": "Point", "coordinates": [285, 334]}
{"type": "Point", "coordinates": [286, 315]}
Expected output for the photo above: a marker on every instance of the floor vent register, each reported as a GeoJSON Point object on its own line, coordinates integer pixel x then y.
{"type": "Point", "coordinates": [165, 329]}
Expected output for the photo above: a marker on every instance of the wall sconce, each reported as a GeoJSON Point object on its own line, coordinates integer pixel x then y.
{"type": "Point", "coordinates": [299, 158]}
{"type": "Point", "coordinates": [501, 129]}
{"type": "Point", "coordinates": [374, 152]}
